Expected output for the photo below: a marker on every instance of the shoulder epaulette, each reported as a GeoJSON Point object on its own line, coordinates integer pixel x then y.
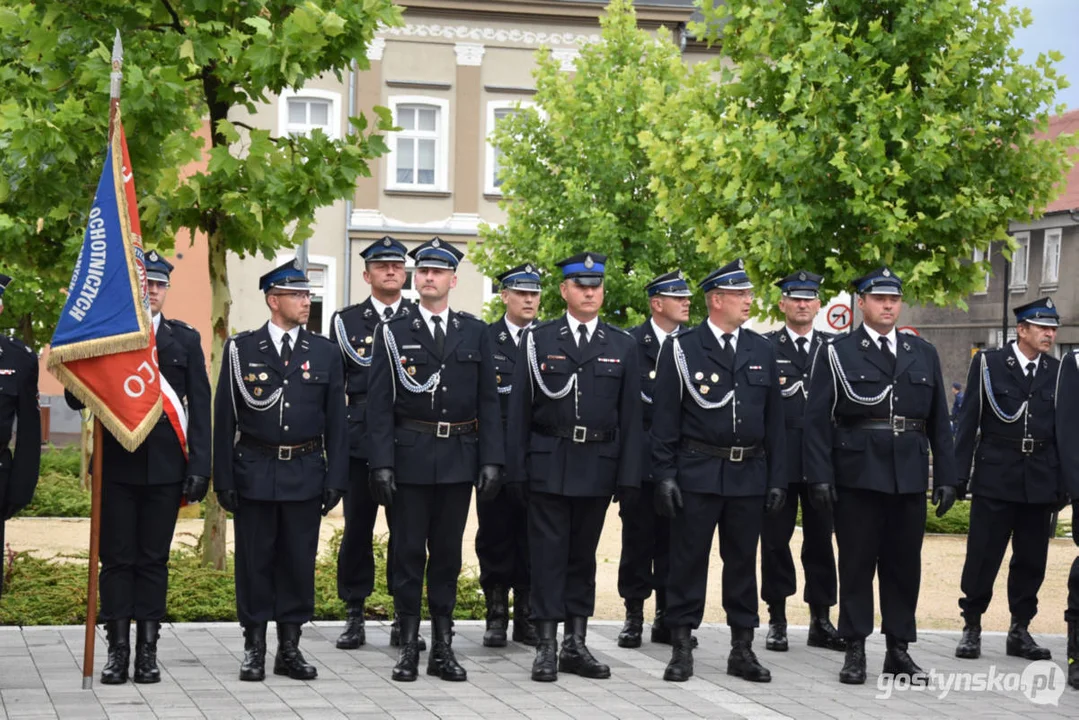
{"type": "Point", "coordinates": [618, 329]}
{"type": "Point", "coordinates": [180, 323]}
{"type": "Point", "coordinates": [540, 324]}
{"type": "Point", "coordinates": [682, 332]}
{"type": "Point", "coordinates": [16, 342]}
{"type": "Point", "coordinates": [241, 334]}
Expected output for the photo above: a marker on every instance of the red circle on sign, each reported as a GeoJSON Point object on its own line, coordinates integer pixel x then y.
{"type": "Point", "coordinates": [839, 317]}
{"type": "Point", "coordinates": [909, 330]}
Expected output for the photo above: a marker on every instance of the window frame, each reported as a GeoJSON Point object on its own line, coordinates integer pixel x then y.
{"type": "Point", "coordinates": [1046, 281]}
{"type": "Point", "coordinates": [442, 145]}
{"type": "Point", "coordinates": [333, 130]}
{"type": "Point", "coordinates": [1016, 283]}
{"type": "Point", "coordinates": [493, 106]}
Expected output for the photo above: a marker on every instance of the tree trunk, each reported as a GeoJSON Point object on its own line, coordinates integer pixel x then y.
{"type": "Point", "coordinates": [214, 526]}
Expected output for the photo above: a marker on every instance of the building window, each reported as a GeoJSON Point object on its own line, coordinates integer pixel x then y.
{"type": "Point", "coordinates": [419, 152]}
{"type": "Point", "coordinates": [491, 290]}
{"type": "Point", "coordinates": [1051, 257]}
{"type": "Point", "coordinates": [1020, 260]}
{"type": "Point", "coordinates": [979, 256]}
{"type": "Point", "coordinates": [300, 112]}
{"type": "Point", "coordinates": [497, 111]}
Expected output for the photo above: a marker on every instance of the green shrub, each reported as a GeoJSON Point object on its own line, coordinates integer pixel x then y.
{"type": "Point", "coordinates": [64, 461]}
{"type": "Point", "coordinates": [58, 495]}
{"type": "Point", "coordinates": [53, 592]}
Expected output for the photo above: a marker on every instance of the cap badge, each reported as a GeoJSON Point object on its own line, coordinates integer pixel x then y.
{"type": "Point", "coordinates": [802, 276]}
{"type": "Point", "coordinates": [153, 256]}
{"type": "Point", "coordinates": [589, 262]}
{"type": "Point", "coordinates": [680, 276]}
{"type": "Point", "coordinates": [386, 242]}
{"type": "Point", "coordinates": [741, 264]}
{"type": "Point", "coordinates": [529, 269]}
{"type": "Point", "coordinates": [435, 243]}
{"type": "Point", "coordinates": [1049, 302]}
{"type": "Point", "coordinates": [887, 272]}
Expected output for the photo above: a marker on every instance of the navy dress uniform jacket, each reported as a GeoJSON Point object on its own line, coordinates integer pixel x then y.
{"type": "Point", "coordinates": [1067, 421]}
{"type": "Point", "coordinates": [159, 460]}
{"type": "Point", "coordinates": [505, 358]}
{"type": "Point", "coordinates": [1001, 469]}
{"type": "Point", "coordinates": [647, 358]}
{"type": "Point", "coordinates": [882, 461]}
{"type": "Point", "coordinates": [608, 385]}
{"type": "Point", "coordinates": [359, 323]}
{"type": "Point", "coordinates": [752, 417]}
{"type": "Point", "coordinates": [794, 386]}
{"type": "Point", "coordinates": [311, 406]}
{"type": "Point", "coordinates": [18, 401]}
{"type": "Point", "coordinates": [466, 391]}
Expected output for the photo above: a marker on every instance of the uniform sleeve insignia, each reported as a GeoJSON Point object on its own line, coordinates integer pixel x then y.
{"type": "Point", "coordinates": [502, 336]}
{"type": "Point", "coordinates": [1010, 361]}
{"type": "Point", "coordinates": [647, 339]}
{"type": "Point", "coordinates": [865, 343]}
{"type": "Point", "coordinates": [367, 312]}
{"type": "Point", "coordinates": [456, 323]}
{"type": "Point", "coordinates": [783, 337]}
{"type": "Point", "coordinates": [906, 346]}
{"type": "Point", "coordinates": [416, 324]}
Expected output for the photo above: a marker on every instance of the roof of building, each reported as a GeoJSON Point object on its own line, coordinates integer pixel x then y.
{"type": "Point", "coordinates": [1060, 125]}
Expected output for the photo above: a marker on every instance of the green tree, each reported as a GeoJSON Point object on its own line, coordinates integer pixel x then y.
{"type": "Point", "coordinates": [575, 177]}
{"type": "Point", "coordinates": [851, 134]}
{"type": "Point", "coordinates": [189, 61]}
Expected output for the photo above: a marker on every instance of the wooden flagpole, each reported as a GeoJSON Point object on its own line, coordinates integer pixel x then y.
{"type": "Point", "coordinates": [116, 76]}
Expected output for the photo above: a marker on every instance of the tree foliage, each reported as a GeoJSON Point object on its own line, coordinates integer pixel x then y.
{"type": "Point", "coordinates": [849, 134]}
{"type": "Point", "coordinates": [187, 62]}
{"type": "Point", "coordinates": [576, 178]}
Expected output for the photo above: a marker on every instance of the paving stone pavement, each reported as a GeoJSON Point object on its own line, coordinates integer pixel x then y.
{"type": "Point", "coordinates": [40, 678]}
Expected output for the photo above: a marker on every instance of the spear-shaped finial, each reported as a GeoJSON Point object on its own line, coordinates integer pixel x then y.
{"type": "Point", "coordinates": [117, 66]}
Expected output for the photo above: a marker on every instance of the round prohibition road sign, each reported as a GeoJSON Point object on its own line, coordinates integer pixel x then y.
{"type": "Point", "coordinates": [839, 317]}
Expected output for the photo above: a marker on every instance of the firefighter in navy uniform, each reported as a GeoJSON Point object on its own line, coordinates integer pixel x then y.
{"type": "Point", "coordinates": [877, 407]}
{"type": "Point", "coordinates": [18, 401]}
{"type": "Point", "coordinates": [502, 538]}
{"type": "Point", "coordinates": [141, 493]}
{"type": "Point", "coordinates": [1067, 421]}
{"type": "Point", "coordinates": [574, 441]}
{"type": "Point", "coordinates": [435, 431]}
{"type": "Point", "coordinates": [718, 447]}
{"type": "Point", "coordinates": [1007, 428]}
{"type": "Point", "coordinates": [280, 459]}
{"type": "Point", "coordinates": [643, 565]}
{"type": "Point", "coordinates": [353, 329]}
{"type": "Point", "coordinates": [796, 344]}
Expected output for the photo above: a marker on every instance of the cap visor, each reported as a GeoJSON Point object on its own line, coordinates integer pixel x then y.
{"type": "Point", "coordinates": [802, 294]}
{"type": "Point", "coordinates": [157, 277]}
{"type": "Point", "coordinates": [587, 280]}
{"type": "Point", "coordinates": [677, 293]}
{"type": "Point", "coordinates": [1043, 322]}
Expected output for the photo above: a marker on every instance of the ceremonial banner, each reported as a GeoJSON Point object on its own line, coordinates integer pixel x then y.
{"type": "Point", "coordinates": [103, 350]}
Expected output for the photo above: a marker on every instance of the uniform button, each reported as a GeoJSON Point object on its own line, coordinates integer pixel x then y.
{"type": "Point", "coordinates": [286, 382]}
{"type": "Point", "coordinates": [443, 412]}
{"type": "Point", "coordinates": [286, 427]}
{"type": "Point", "coordinates": [736, 384]}
{"type": "Point", "coordinates": [287, 405]}
{"type": "Point", "coordinates": [580, 369]}
{"type": "Point", "coordinates": [443, 367]}
{"type": "Point", "coordinates": [443, 388]}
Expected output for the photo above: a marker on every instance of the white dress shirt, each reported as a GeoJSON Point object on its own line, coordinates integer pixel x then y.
{"type": "Point", "coordinates": [1024, 360]}
{"type": "Point", "coordinates": [574, 323]}
{"type": "Point", "coordinates": [516, 330]}
{"type": "Point", "coordinates": [427, 315]}
{"type": "Point", "coordinates": [876, 336]}
{"type": "Point", "coordinates": [276, 334]}
{"type": "Point", "coordinates": [794, 337]}
{"type": "Point", "coordinates": [380, 307]}
{"type": "Point", "coordinates": [661, 335]}
{"type": "Point", "coordinates": [718, 332]}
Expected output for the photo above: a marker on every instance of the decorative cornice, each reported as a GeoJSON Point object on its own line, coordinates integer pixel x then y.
{"type": "Point", "coordinates": [371, 220]}
{"type": "Point", "coordinates": [376, 49]}
{"type": "Point", "coordinates": [469, 53]}
{"type": "Point", "coordinates": [489, 35]}
{"type": "Point", "coordinates": [566, 57]}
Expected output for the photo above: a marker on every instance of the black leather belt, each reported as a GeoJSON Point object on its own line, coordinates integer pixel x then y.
{"type": "Point", "coordinates": [1027, 446]}
{"type": "Point", "coordinates": [282, 452]}
{"type": "Point", "coordinates": [897, 424]}
{"type": "Point", "coordinates": [576, 433]}
{"type": "Point", "coordinates": [438, 429]}
{"type": "Point", "coordinates": [733, 454]}
{"type": "Point", "coordinates": [357, 399]}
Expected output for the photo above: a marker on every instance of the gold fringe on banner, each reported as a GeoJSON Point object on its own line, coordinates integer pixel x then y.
{"type": "Point", "coordinates": [130, 439]}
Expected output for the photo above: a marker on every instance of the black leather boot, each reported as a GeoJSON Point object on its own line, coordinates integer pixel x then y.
{"type": "Point", "coordinates": [898, 662]}
{"type": "Point", "coordinates": [853, 672]}
{"type": "Point", "coordinates": [970, 645]}
{"type": "Point", "coordinates": [742, 661]}
{"type": "Point", "coordinates": [253, 667]}
{"type": "Point", "coordinates": [290, 661]}
{"type": "Point", "coordinates": [822, 632]}
{"type": "Point", "coordinates": [630, 637]}
{"type": "Point", "coordinates": [1021, 644]}
{"type": "Point", "coordinates": [680, 668]}
{"type": "Point", "coordinates": [146, 634]}
{"type": "Point", "coordinates": [118, 633]}
{"type": "Point", "coordinates": [575, 657]}
{"type": "Point", "coordinates": [442, 662]}
{"type": "Point", "coordinates": [498, 611]}
{"type": "Point", "coordinates": [1073, 653]}
{"type": "Point", "coordinates": [545, 664]}
{"type": "Point", "coordinates": [408, 661]}
{"type": "Point", "coordinates": [524, 630]}
{"type": "Point", "coordinates": [355, 634]}
{"type": "Point", "coordinates": [395, 634]}
{"type": "Point", "coordinates": [776, 639]}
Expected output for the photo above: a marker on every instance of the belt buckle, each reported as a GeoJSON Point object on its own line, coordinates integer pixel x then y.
{"type": "Point", "coordinates": [580, 433]}
{"type": "Point", "coordinates": [737, 454]}
{"type": "Point", "coordinates": [899, 424]}
{"type": "Point", "coordinates": [443, 430]}
{"type": "Point", "coordinates": [284, 452]}
{"type": "Point", "coordinates": [1028, 446]}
